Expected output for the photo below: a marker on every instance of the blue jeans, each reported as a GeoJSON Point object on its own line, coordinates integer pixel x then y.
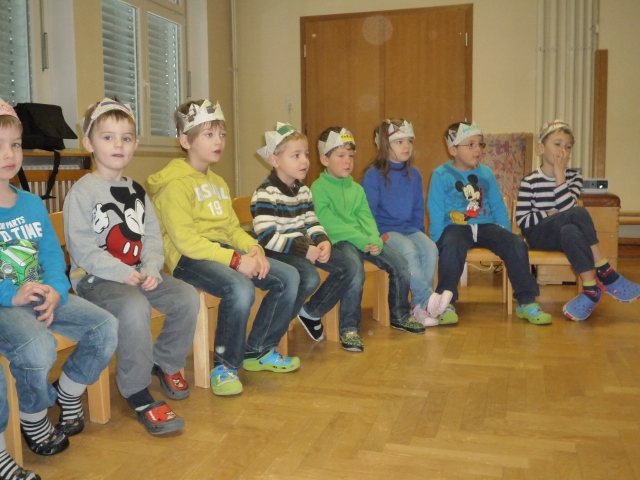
{"type": "Point", "coordinates": [391, 262]}
{"type": "Point", "coordinates": [31, 349]}
{"type": "Point", "coordinates": [237, 294]}
{"type": "Point", "coordinates": [4, 405]}
{"type": "Point", "coordinates": [422, 256]}
{"type": "Point", "coordinates": [457, 239]}
{"type": "Point", "coordinates": [341, 268]}
{"type": "Point", "coordinates": [132, 307]}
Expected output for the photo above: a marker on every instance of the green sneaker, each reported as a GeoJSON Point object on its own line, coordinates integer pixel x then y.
{"type": "Point", "coordinates": [352, 342]}
{"type": "Point", "coordinates": [533, 313]}
{"type": "Point", "coordinates": [449, 316]}
{"type": "Point", "coordinates": [225, 381]}
{"type": "Point", "coordinates": [410, 325]}
{"type": "Point", "coordinates": [273, 362]}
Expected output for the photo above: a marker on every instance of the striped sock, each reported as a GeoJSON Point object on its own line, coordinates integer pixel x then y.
{"type": "Point", "coordinates": [606, 274]}
{"type": "Point", "coordinates": [7, 465]}
{"type": "Point", "coordinates": [70, 405]}
{"type": "Point", "coordinates": [592, 292]}
{"type": "Point", "coordinates": [37, 431]}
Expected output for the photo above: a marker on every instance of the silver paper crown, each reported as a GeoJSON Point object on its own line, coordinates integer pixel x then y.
{"type": "Point", "coordinates": [397, 133]}
{"type": "Point", "coordinates": [106, 105]}
{"type": "Point", "coordinates": [274, 138]}
{"type": "Point", "coordinates": [548, 128]}
{"type": "Point", "coordinates": [464, 131]}
{"type": "Point", "coordinates": [336, 139]}
{"type": "Point", "coordinates": [198, 114]}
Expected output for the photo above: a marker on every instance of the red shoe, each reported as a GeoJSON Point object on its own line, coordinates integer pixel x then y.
{"type": "Point", "coordinates": [174, 386]}
{"type": "Point", "coordinates": [158, 419]}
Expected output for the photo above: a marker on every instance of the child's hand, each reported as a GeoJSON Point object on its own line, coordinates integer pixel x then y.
{"type": "Point", "coordinates": [134, 279]}
{"type": "Point", "coordinates": [254, 264]}
{"type": "Point", "coordinates": [150, 283]}
{"type": "Point", "coordinates": [30, 292]}
{"type": "Point", "coordinates": [373, 249]}
{"type": "Point", "coordinates": [560, 162]}
{"type": "Point", "coordinates": [313, 253]}
{"type": "Point", "coordinates": [48, 306]}
{"type": "Point", "coordinates": [325, 251]}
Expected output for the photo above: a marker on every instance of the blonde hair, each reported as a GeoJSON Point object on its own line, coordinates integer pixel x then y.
{"type": "Point", "coordinates": [297, 135]}
{"type": "Point", "coordinates": [117, 115]}
{"type": "Point", "coordinates": [9, 121]}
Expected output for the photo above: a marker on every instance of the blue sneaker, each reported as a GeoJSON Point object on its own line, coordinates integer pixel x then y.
{"type": "Point", "coordinates": [533, 313]}
{"type": "Point", "coordinates": [273, 362]}
{"type": "Point", "coordinates": [581, 307]}
{"type": "Point", "coordinates": [623, 290]}
{"type": "Point", "coordinates": [225, 381]}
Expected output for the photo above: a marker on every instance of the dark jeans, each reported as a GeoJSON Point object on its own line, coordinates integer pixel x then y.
{"type": "Point", "coordinates": [391, 262]}
{"type": "Point", "coordinates": [571, 232]}
{"type": "Point", "coordinates": [456, 240]}
{"type": "Point", "coordinates": [237, 294]}
{"type": "Point", "coordinates": [342, 269]}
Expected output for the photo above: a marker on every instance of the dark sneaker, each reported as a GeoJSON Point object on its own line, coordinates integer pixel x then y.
{"type": "Point", "coordinates": [53, 444]}
{"type": "Point", "coordinates": [158, 419]}
{"type": "Point", "coordinates": [174, 386]}
{"type": "Point", "coordinates": [352, 342]}
{"type": "Point", "coordinates": [273, 362]}
{"type": "Point", "coordinates": [313, 327]}
{"type": "Point", "coordinates": [409, 325]}
{"type": "Point", "coordinates": [69, 427]}
{"type": "Point", "coordinates": [21, 474]}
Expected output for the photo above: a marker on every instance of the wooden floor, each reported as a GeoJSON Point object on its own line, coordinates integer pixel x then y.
{"type": "Point", "coordinates": [490, 398]}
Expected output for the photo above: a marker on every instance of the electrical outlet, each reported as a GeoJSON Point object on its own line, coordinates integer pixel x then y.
{"type": "Point", "coordinates": [289, 102]}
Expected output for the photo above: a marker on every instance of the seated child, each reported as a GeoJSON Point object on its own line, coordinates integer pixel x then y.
{"type": "Point", "coordinates": [287, 228]}
{"type": "Point", "coordinates": [116, 253]}
{"type": "Point", "coordinates": [35, 300]}
{"type": "Point", "coordinates": [394, 192]}
{"type": "Point", "coordinates": [342, 208]}
{"type": "Point", "coordinates": [550, 219]}
{"type": "Point", "coordinates": [466, 210]}
{"type": "Point", "coordinates": [9, 469]}
{"type": "Point", "coordinates": [206, 247]}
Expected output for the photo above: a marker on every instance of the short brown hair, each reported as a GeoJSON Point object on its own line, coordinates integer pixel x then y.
{"type": "Point", "coordinates": [195, 131]}
{"type": "Point", "coordinates": [117, 115]}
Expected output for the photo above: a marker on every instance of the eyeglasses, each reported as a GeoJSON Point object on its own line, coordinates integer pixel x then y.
{"type": "Point", "coordinates": [473, 146]}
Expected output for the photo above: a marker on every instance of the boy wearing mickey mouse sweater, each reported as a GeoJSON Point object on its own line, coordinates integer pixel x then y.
{"type": "Point", "coordinates": [466, 210]}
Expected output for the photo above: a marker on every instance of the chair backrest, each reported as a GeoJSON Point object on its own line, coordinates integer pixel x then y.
{"type": "Point", "coordinates": [242, 207]}
{"type": "Point", "coordinates": [510, 156]}
{"type": "Point", "coordinates": [37, 180]}
{"type": "Point", "coordinates": [57, 222]}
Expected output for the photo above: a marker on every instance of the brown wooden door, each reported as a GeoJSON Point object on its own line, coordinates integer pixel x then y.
{"type": "Point", "coordinates": [362, 68]}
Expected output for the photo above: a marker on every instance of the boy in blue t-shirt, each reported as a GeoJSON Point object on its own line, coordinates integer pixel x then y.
{"type": "Point", "coordinates": [466, 210]}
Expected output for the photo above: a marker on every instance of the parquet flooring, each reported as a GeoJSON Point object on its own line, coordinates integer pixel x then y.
{"type": "Point", "coordinates": [490, 398]}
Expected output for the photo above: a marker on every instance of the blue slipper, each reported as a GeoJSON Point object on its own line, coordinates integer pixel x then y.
{"type": "Point", "coordinates": [581, 307]}
{"type": "Point", "coordinates": [623, 290]}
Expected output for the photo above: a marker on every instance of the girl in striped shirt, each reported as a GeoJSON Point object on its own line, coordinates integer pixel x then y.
{"type": "Point", "coordinates": [550, 219]}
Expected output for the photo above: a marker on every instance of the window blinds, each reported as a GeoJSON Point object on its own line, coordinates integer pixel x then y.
{"type": "Point", "coordinates": [15, 78]}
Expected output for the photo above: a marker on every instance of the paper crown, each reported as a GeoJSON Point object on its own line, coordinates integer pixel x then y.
{"type": "Point", "coordinates": [334, 140]}
{"type": "Point", "coordinates": [464, 131]}
{"type": "Point", "coordinates": [549, 128]}
{"type": "Point", "coordinates": [397, 133]}
{"type": "Point", "coordinates": [6, 109]}
{"type": "Point", "coordinates": [105, 106]}
{"type": "Point", "coordinates": [274, 138]}
{"type": "Point", "coordinates": [207, 112]}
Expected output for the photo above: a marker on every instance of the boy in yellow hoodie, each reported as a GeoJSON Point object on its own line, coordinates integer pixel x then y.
{"type": "Point", "coordinates": [206, 247]}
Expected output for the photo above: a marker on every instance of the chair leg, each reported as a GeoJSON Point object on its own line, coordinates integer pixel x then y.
{"type": "Point", "coordinates": [332, 324]}
{"type": "Point", "coordinates": [509, 297]}
{"type": "Point", "coordinates": [381, 298]}
{"type": "Point", "coordinates": [12, 432]}
{"type": "Point", "coordinates": [99, 402]}
{"type": "Point", "coordinates": [201, 346]}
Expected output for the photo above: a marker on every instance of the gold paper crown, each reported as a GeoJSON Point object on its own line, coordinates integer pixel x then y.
{"type": "Point", "coordinates": [335, 140]}
{"type": "Point", "coordinates": [274, 138]}
{"type": "Point", "coordinates": [397, 133]}
{"type": "Point", "coordinates": [106, 105]}
{"type": "Point", "coordinates": [464, 131]}
{"type": "Point", "coordinates": [6, 109]}
{"type": "Point", "coordinates": [207, 112]}
{"type": "Point", "coordinates": [548, 128]}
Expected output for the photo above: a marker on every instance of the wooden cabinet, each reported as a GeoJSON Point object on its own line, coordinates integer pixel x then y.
{"type": "Point", "coordinates": [605, 212]}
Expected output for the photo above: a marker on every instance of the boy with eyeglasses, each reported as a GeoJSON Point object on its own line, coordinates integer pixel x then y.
{"type": "Point", "coordinates": [466, 210]}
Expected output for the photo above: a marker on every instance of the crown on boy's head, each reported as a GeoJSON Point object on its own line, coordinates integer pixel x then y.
{"type": "Point", "coordinates": [334, 140]}
{"type": "Point", "coordinates": [397, 133]}
{"type": "Point", "coordinates": [548, 128]}
{"type": "Point", "coordinates": [274, 138]}
{"type": "Point", "coordinates": [106, 105]}
{"type": "Point", "coordinates": [198, 114]}
{"type": "Point", "coordinates": [464, 131]}
{"type": "Point", "coordinates": [6, 109]}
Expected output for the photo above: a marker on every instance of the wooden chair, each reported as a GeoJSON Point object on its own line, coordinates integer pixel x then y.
{"type": "Point", "coordinates": [242, 207]}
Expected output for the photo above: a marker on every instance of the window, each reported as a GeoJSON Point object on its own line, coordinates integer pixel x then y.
{"type": "Point", "coordinates": [15, 75]}
{"type": "Point", "coordinates": [143, 50]}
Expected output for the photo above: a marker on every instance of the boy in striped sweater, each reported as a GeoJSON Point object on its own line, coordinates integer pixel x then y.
{"type": "Point", "coordinates": [288, 229]}
{"type": "Point", "coordinates": [550, 219]}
